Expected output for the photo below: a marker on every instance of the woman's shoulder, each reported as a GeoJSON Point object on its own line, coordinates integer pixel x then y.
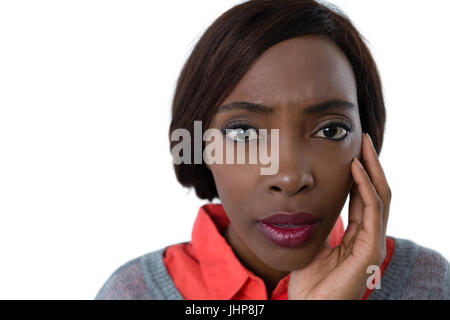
{"type": "Point", "coordinates": [431, 271]}
{"type": "Point", "coordinates": [414, 272]}
{"type": "Point", "coordinates": [141, 278]}
{"type": "Point", "coordinates": [125, 283]}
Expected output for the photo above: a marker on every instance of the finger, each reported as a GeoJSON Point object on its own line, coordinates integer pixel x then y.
{"type": "Point", "coordinates": [348, 239]}
{"type": "Point", "coordinates": [372, 220]}
{"type": "Point", "coordinates": [376, 173]}
{"type": "Point", "coordinates": [356, 205]}
{"type": "Point", "coordinates": [355, 210]}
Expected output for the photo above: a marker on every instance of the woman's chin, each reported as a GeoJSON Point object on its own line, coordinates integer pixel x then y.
{"type": "Point", "coordinates": [286, 260]}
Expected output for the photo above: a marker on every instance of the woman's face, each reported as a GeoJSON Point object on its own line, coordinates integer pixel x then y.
{"type": "Point", "coordinates": [314, 166]}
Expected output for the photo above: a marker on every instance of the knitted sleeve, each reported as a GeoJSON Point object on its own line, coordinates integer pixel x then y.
{"type": "Point", "coordinates": [429, 278]}
{"type": "Point", "coordinates": [125, 283]}
{"type": "Point", "coordinates": [143, 278]}
{"type": "Point", "coordinates": [414, 273]}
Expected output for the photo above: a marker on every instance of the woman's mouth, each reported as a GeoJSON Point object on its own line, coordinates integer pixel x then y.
{"type": "Point", "coordinates": [286, 225]}
{"type": "Point", "coordinates": [289, 230]}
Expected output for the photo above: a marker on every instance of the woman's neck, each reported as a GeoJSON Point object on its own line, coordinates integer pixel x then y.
{"type": "Point", "coordinates": [250, 261]}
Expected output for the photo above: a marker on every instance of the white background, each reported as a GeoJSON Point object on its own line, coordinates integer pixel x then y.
{"type": "Point", "coordinates": [86, 181]}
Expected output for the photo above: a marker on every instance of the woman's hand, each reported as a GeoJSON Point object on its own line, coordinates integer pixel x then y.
{"type": "Point", "coordinates": [341, 272]}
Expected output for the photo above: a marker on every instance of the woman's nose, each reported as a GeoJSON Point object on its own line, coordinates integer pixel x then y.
{"type": "Point", "coordinates": [294, 174]}
{"type": "Point", "coordinates": [290, 183]}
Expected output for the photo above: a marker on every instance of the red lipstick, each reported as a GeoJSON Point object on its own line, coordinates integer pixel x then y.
{"type": "Point", "coordinates": [289, 230]}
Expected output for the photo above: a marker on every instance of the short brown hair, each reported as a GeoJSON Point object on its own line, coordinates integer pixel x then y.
{"type": "Point", "coordinates": [228, 48]}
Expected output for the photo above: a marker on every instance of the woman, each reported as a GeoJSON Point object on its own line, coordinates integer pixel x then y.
{"type": "Point", "coordinates": [299, 67]}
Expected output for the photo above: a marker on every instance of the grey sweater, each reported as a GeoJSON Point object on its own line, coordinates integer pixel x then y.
{"type": "Point", "coordinates": [415, 272]}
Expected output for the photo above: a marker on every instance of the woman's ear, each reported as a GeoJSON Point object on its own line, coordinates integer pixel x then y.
{"type": "Point", "coordinates": [205, 161]}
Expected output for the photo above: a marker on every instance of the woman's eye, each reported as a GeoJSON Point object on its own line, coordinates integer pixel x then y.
{"type": "Point", "coordinates": [240, 132]}
{"type": "Point", "coordinates": [335, 131]}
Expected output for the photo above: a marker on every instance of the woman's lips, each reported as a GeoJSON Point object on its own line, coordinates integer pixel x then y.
{"type": "Point", "coordinates": [289, 230]}
{"type": "Point", "coordinates": [290, 237]}
{"type": "Point", "coordinates": [296, 218]}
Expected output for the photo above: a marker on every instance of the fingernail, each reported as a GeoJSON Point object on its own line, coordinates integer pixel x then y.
{"type": "Point", "coordinates": [356, 160]}
{"type": "Point", "coordinates": [370, 140]}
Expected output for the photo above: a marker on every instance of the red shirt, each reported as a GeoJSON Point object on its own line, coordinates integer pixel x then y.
{"type": "Point", "coordinates": [206, 268]}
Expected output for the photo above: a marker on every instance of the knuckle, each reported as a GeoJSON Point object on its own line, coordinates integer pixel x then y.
{"type": "Point", "coordinates": [380, 204]}
{"type": "Point", "coordinates": [389, 192]}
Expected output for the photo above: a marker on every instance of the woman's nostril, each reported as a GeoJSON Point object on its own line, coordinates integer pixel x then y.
{"type": "Point", "coordinates": [278, 189]}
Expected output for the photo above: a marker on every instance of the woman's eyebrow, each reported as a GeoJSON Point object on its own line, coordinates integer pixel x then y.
{"type": "Point", "coordinates": [259, 108]}
{"type": "Point", "coordinates": [328, 105]}
{"type": "Point", "coordinates": [246, 106]}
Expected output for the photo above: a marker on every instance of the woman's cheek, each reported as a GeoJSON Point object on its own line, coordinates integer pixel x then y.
{"type": "Point", "coordinates": [225, 179]}
{"type": "Point", "coordinates": [331, 166]}
{"type": "Point", "coordinates": [234, 182]}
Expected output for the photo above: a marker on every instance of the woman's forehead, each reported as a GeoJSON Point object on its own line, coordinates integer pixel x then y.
{"type": "Point", "coordinates": [297, 71]}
